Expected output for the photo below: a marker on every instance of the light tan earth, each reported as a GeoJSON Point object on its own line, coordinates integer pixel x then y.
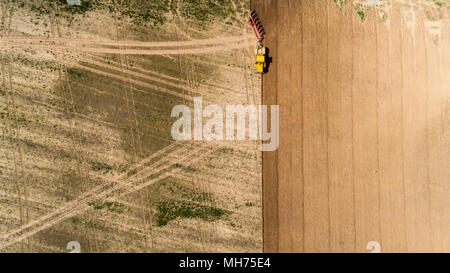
{"type": "Point", "coordinates": [364, 127]}
{"type": "Point", "coordinates": [86, 150]}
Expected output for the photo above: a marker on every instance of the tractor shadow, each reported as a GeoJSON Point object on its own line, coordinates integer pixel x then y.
{"type": "Point", "coordinates": [268, 60]}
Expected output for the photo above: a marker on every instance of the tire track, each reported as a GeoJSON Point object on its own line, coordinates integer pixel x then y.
{"type": "Point", "coordinates": [191, 51]}
{"type": "Point", "coordinates": [122, 44]}
{"type": "Point", "coordinates": [21, 183]}
{"type": "Point", "coordinates": [76, 131]}
{"type": "Point", "coordinates": [206, 91]}
{"type": "Point", "coordinates": [135, 82]}
{"type": "Point", "coordinates": [134, 169]}
{"type": "Point", "coordinates": [16, 176]}
{"type": "Point", "coordinates": [82, 205]}
{"type": "Point", "coordinates": [128, 88]}
{"type": "Point", "coordinates": [19, 149]}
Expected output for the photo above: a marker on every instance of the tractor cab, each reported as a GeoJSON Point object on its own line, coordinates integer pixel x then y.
{"type": "Point", "coordinates": [261, 60]}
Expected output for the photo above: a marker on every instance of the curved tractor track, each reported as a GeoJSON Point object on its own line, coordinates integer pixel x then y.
{"type": "Point", "coordinates": [143, 78]}
{"type": "Point", "coordinates": [128, 48]}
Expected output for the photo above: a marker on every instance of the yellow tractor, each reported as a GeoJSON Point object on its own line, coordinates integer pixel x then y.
{"type": "Point", "coordinates": [260, 51]}
{"type": "Point", "coordinates": [261, 62]}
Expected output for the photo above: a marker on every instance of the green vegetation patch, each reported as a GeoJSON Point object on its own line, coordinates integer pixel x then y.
{"type": "Point", "coordinates": [189, 203]}
{"type": "Point", "coordinates": [115, 207]}
{"type": "Point", "coordinates": [169, 210]}
{"type": "Point", "coordinates": [205, 10]}
{"type": "Point", "coordinates": [139, 12]}
{"type": "Point", "coordinates": [249, 204]}
{"type": "Point", "coordinates": [361, 11]}
{"type": "Point", "coordinates": [226, 150]}
{"type": "Point", "coordinates": [360, 6]}
{"type": "Point", "coordinates": [99, 166]}
{"type": "Point", "coordinates": [144, 12]}
{"type": "Point", "coordinates": [339, 3]}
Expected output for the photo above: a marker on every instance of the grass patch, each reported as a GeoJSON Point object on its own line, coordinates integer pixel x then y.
{"type": "Point", "coordinates": [340, 3]}
{"type": "Point", "coordinates": [132, 172]}
{"type": "Point", "coordinates": [150, 13]}
{"type": "Point", "coordinates": [249, 204]}
{"type": "Point", "coordinates": [75, 72]}
{"type": "Point", "coordinates": [140, 12]}
{"type": "Point", "coordinates": [76, 220]}
{"type": "Point", "coordinates": [171, 209]}
{"type": "Point", "coordinates": [69, 178]}
{"type": "Point", "coordinates": [145, 12]}
{"type": "Point", "coordinates": [226, 150]}
{"type": "Point", "coordinates": [360, 10]}
{"type": "Point", "coordinates": [99, 166]}
{"type": "Point", "coordinates": [115, 207]}
{"type": "Point", "coordinates": [187, 203]}
{"type": "Point", "coordinates": [186, 168]}
{"type": "Point", "coordinates": [70, 183]}
{"type": "Point", "coordinates": [205, 10]}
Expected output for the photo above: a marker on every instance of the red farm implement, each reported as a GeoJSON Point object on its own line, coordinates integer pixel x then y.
{"type": "Point", "coordinates": [257, 26]}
